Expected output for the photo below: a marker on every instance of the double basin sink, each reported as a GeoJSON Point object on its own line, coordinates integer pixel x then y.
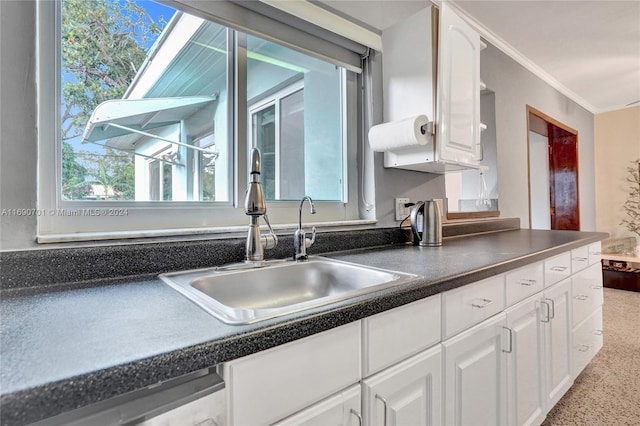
{"type": "Point", "coordinates": [243, 294]}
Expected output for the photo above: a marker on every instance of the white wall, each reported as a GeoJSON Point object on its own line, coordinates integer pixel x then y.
{"type": "Point", "coordinates": [539, 172]}
{"type": "Point", "coordinates": [515, 88]}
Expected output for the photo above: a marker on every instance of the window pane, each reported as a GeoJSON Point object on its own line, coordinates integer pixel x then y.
{"type": "Point", "coordinates": [137, 77]}
{"type": "Point", "coordinates": [292, 146]}
{"type": "Point", "coordinates": [304, 95]}
{"type": "Point", "coordinates": [264, 134]}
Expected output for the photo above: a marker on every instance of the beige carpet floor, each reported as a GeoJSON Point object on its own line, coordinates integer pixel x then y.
{"type": "Point", "coordinates": [608, 390]}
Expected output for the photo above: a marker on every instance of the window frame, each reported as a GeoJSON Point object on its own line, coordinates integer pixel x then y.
{"type": "Point", "coordinates": [66, 220]}
{"type": "Point", "coordinates": [275, 100]}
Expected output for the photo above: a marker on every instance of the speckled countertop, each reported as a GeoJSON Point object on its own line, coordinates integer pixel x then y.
{"type": "Point", "coordinates": [65, 348]}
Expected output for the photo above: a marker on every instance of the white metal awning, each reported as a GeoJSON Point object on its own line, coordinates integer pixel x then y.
{"type": "Point", "coordinates": [120, 118]}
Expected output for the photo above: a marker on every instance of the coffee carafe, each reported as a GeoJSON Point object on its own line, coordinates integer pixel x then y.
{"type": "Point", "coordinates": [426, 223]}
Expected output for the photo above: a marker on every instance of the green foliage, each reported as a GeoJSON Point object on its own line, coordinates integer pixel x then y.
{"type": "Point", "coordinates": [104, 43]}
{"type": "Point", "coordinates": [115, 172]}
{"type": "Point", "coordinates": [103, 46]}
{"type": "Point", "coordinates": [632, 204]}
{"type": "Point", "coordinates": [73, 175]}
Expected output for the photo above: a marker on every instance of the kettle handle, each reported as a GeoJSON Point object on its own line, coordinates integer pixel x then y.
{"type": "Point", "coordinates": [414, 219]}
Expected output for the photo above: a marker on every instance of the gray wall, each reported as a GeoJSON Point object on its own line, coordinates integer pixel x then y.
{"type": "Point", "coordinates": [515, 88]}
{"type": "Point", "coordinates": [18, 141]}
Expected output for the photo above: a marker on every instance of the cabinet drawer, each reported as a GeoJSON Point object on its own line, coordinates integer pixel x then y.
{"type": "Point", "coordinates": [557, 268]}
{"type": "Point", "coordinates": [470, 304]}
{"type": "Point", "coordinates": [269, 385]}
{"type": "Point", "coordinates": [401, 332]}
{"type": "Point", "coordinates": [587, 341]}
{"type": "Point", "coordinates": [579, 259]}
{"type": "Point", "coordinates": [524, 282]}
{"type": "Point", "coordinates": [595, 253]}
{"type": "Point", "coordinates": [587, 291]}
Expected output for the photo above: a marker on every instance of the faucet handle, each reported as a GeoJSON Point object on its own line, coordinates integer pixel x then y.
{"type": "Point", "coordinates": [309, 242]}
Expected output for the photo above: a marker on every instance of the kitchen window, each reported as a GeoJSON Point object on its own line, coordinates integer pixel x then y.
{"type": "Point", "coordinates": [165, 129]}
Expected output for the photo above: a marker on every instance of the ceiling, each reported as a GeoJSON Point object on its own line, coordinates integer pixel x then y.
{"type": "Point", "coordinates": [588, 50]}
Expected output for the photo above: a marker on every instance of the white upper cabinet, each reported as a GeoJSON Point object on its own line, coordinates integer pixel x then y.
{"type": "Point", "coordinates": [409, 86]}
{"type": "Point", "coordinates": [458, 124]}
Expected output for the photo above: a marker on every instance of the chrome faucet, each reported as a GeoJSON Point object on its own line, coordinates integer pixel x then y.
{"type": "Point", "coordinates": [300, 241]}
{"type": "Point", "coordinates": [255, 206]}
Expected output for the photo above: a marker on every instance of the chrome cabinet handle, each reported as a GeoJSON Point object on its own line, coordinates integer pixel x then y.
{"type": "Point", "coordinates": [384, 401]}
{"type": "Point", "coordinates": [597, 332]}
{"type": "Point", "coordinates": [580, 259]}
{"type": "Point", "coordinates": [552, 312]}
{"type": "Point", "coordinates": [527, 282]}
{"type": "Point", "coordinates": [355, 413]}
{"type": "Point", "coordinates": [548, 311]}
{"type": "Point", "coordinates": [510, 340]}
{"type": "Point", "coordinates": [483, 303]}
{"type": "Point", "coordinates": [582, 348]}
{"type": "Point", "coordinates": [596, 287]}
{"type": "Point", "coordinates": [581, 297]}
{"type": "Point", "coordinates": [558, 268]}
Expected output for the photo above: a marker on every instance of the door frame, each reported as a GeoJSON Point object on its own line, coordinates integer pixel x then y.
{"type": "Point", "coordinates": [533, 126]}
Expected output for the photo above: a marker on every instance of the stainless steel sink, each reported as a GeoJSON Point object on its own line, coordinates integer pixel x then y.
{"type": "Point", "coordinates": [247, 295]}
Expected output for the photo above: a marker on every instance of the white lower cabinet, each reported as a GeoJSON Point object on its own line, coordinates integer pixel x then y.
{"type": "Point", "coordinates": [338, 410]}
{"type": "Point", "coordinates": [475, 375]}
{"type": "Point", "coordinates": [409, 393]}
{"type": "Point", "coordinates": [268, 386]}
{"type": "Point", "coordinates": [556, 332]}
{"type": "Point", "coordinates": [525, 384]}
{"type": "Point", "coordinates": [508, 358]}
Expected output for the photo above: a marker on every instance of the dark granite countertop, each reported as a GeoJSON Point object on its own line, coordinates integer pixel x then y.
{"type": "Point", "coordinates": [66, 348]}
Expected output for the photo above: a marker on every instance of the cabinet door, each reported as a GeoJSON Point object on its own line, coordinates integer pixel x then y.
{"type": "Point", "coordinates": [409, 393]}
{"type": "Point", "coordinates": [270, 385]}
{"type": "Point", "coordinates": [525, 385]}
{"type": "Point", "coordinates": [475, 375]}
{"type": "Point", "coordinates": [342, 409]}
{"type": "Point", "coordinates": [458, 123]}
{"type": "Point", "coordinates": [556, 318]}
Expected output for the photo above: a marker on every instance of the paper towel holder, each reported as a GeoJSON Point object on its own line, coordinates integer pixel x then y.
{"type": "Point", "coordinates": [427, 129]}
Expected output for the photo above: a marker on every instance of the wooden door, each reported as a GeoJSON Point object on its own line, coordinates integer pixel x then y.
{"type": "Point", "coordinates": [563, 179]}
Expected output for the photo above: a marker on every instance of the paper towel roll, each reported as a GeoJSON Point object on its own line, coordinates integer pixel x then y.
{"type": "Point", "coordinates": [400, 134]}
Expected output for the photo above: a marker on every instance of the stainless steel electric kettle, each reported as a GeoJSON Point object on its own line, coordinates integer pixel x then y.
{"type": "Point", "coordinates": [426, 223]}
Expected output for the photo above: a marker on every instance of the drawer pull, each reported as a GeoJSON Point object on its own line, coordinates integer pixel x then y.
{"type": "Point", "coordinates": [582, 348]}
{"type": "Point", "coordinates": [527, 282]}
{"type": "Point", "coordinates": [596, 287]}
{"type": "Point", "coordinates": [597, 332]}
{"type": "Point", "coordinates": [510, 340]}
{"type": "Point", "coordinates": [482, 304]}
{"type": "Point", "coordinates": [581, 297]}
{"type": "Point", "coordinates": [355, 413]}
{"type": "Point", "coordinates": [580, 259]}
{"type": "Point", "coordinates": [384, 401]}
{"type": "Point", "coordinates": [558, 268]}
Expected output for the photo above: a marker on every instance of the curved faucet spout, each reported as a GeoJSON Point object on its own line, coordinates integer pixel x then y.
{"type": "Point", "coordinates": [300, 241]}
{"type": "Point", "coordinates": [312, 210]}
